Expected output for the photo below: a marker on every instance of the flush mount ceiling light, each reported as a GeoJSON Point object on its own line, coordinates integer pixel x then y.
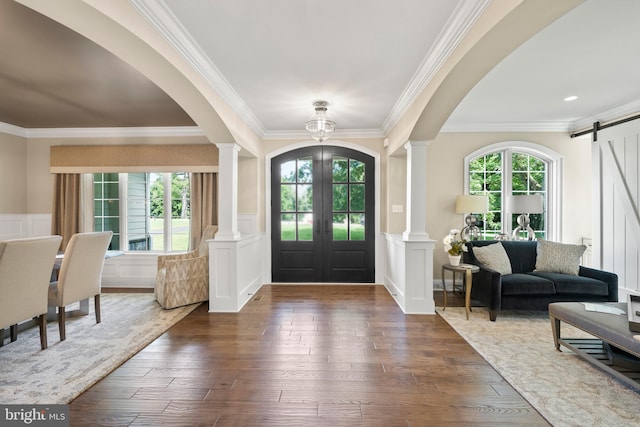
{"type": "Point", "coordinates": [320, 124]}
{"type": "Point", "coordinates": [571, 98]}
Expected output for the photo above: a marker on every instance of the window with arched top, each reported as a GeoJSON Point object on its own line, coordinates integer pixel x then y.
{"type": "Point", "coordinates": [516, 168]}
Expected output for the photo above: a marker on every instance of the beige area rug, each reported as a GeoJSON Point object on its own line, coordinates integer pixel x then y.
{"type": "Point", "coordinates": [58, 374]}
{"type": "Point", "coordinates": [565, 389]}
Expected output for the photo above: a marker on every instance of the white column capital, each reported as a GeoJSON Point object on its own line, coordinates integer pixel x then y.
{"type": "Point", "coordinates": [228, 146]}
{"type": "Point", "coordinates": [410, 144]}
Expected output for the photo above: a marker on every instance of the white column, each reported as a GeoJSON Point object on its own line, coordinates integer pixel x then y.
{"type": "Point", "coordinates": [228, 192]}
{"type": "Point", "coordinates": [416, 191]}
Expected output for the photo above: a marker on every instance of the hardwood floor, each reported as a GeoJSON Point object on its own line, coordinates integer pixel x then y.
{"type": "Point", "coordinates": [307, 356]}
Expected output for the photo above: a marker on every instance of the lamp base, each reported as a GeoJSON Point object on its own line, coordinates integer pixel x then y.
{"type": "Point", "coordinates": [470, 232]}
{"type": "Point", "coordinates": [523, 231]}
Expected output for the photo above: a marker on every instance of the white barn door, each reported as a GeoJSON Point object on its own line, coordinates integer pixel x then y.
{"type": "Point", "coordinates": [616, 160]}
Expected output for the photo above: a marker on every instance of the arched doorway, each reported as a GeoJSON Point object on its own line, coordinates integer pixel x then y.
{"type": "Point", "coordinates": [323, 216]}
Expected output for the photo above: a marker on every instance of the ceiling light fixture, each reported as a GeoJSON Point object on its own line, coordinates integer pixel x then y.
{"type": "Point", "coordinates": [571, 98]}
{"type": "Point", "coordinates": [320, 124]}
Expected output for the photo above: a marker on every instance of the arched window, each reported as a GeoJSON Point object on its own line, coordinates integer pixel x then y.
{"type": "Point", "coordinates": [516, 168]}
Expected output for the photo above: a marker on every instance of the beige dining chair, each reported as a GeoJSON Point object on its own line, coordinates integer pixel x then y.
{"type": "Point", "coordinates": [80, 275]}
{"type": "Point", "coordinates": [25, 270]}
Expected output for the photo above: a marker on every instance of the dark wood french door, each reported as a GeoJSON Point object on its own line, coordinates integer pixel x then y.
{"type": "Point", "coordinates": [322, 216]}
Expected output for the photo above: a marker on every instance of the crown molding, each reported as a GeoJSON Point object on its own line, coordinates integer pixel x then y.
{"type": "Point", "coordinates": [158, 14]}
{"type": "Point", "coordinates": [460, 22]}
{"type": "Point", "coordinates": [606, 116]}
{"type": "Point", "coordinates": [507, 127]}
{"type": "Point", "coordinates": [110, 132]}
{"type": "Point", "coordinates": [13, 130]}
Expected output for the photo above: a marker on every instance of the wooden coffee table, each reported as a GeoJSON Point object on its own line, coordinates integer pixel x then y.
{"type": "Point", "coordinates": [606, 327]}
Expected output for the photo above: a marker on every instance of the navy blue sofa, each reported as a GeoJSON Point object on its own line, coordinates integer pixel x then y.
{"type": "Point", "coordinates": [527, 289]}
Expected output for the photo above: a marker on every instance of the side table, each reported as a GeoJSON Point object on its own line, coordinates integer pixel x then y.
{"type": "Point", "coordinates": [468, 270]}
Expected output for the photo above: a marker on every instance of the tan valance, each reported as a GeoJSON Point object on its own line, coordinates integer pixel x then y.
{"type": "Point", "coordinates": [133, 158]}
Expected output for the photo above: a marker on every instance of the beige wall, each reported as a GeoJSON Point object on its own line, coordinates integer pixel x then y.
{"type": "Point", "coordinates": [248, 184]}
{"type": "Point", "coordinates": [396, 194]}
{"type": "Point", "coordinates": [445, 174]}
{"type": "Point", "coordinates": [13, 174]}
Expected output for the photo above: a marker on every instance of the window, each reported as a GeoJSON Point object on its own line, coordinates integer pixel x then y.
{"type": "Point", "coordinates": [515, 168]}
{"type": "Point", "coordinates": [146, 211]}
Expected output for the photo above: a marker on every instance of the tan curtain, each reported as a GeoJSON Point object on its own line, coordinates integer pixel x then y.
{"type": "Point", "coordinates": [67, 204]}
{"type": "Point", "coordinates": [204, 204]}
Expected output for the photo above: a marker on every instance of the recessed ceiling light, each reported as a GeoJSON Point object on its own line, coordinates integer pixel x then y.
{"type": "Point", "coordinates": [571, 98]}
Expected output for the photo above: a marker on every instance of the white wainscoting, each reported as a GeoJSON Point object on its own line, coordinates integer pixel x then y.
{"type": "Point", "coordinates": [19, 226]}
{"type": "Point", "coordinates": [131, 270]}
{"type": "Point", "coordinates": [408, 273]}
{"type": "Point", "coordinates": [236, 272]}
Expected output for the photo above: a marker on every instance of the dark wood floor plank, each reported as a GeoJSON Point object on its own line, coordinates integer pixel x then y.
{"type": "Point", "coordinates": [307, 355]}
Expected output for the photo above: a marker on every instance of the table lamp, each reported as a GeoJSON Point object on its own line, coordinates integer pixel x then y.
{"type": "Point", "coordinates": [471, 205]}
{"type": "Point", "coordinates": [524, 205]}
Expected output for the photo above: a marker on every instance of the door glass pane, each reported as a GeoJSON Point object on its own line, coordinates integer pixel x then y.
{"type": "Point", "coordinates": [287, 227]}
{"type": "Point", "coordinates": [288, 171]}
{"type": "Point", "coordinates": [357, 197]}
{"type": "Point", "coordinates": [305, 227]}
{"type": "Point", "coordinates": [356, 226]}
{"type": "Point", "coordinates": [356, 171]}
{"type": "Point", "coordinates": [287, 198]}
{"type": "Point", "coordinates": [304, 169]}
{"type": "Point", "coordinates": [305, 198]}
{"type": "Point", "coordinates": [340, 226]}
{"type": "Point", "coordinates": [340, 169]}
{"type": "Point", "coordinates": [340, 197]}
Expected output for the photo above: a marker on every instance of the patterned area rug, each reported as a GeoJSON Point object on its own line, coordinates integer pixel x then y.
{"type": "Point", "coordinates": [58, 374]}
{"type": "Point", "coordinates": [565, 389]}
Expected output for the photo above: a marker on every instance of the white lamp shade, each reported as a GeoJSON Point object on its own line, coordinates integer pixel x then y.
{"type": "Point", "coordinates": [472, 204]}
{"type": "Point", "coordinates": [530, 203]}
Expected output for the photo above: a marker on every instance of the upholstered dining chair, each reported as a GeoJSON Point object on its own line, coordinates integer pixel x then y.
{"type": "Point", "coordinates": [183, 279]}
{"type": "Point", "coordinates": [25, 270]}
{"type": "Point", "coordinates": [80, 275]}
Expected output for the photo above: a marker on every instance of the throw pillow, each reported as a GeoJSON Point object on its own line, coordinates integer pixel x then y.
{"type": "Point", "coordinates": [556, 257]}
{"type": "Point", "coordinates": [493, 257]}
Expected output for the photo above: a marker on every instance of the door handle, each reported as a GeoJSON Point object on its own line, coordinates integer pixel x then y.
{"type": "Point", "coordinates": [318, 227]}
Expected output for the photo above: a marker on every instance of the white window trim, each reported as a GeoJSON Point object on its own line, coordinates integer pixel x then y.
{"type": "Point", "coordinates": [554, 178]}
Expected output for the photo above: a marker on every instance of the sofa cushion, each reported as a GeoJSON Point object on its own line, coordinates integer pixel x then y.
{"type": "Point", "coordinates": [570, 284]}
{"type": "Point", "coordinates": [522, 255]}
{"type": "Point", "coordinates": [558, 257]}
{"type": "Point", "coordinates": [526, 284]}
{"type": "Point", "coordinates": [493, 257]}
